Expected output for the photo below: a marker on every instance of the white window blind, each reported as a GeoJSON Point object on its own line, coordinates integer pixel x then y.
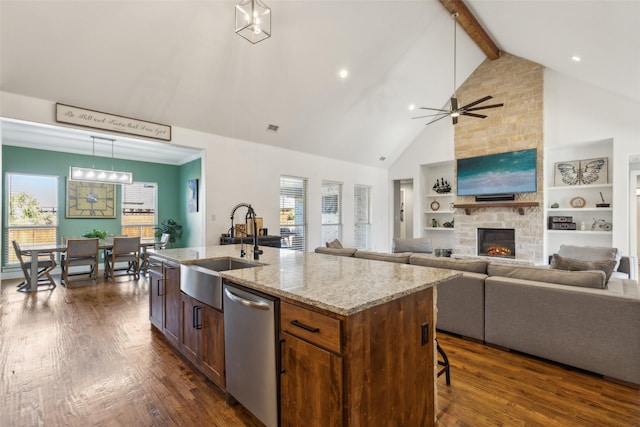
{"type": "Point", "coordinates": [362, 216]}
{"type": "Point", "coordinates": [293, 211]}
{"type": "Point", "coordinates": [32, 211]}
{"type": "Point", "coordinates": [331, 211]}
{"type": "Point", "coordinates": [139, 209]}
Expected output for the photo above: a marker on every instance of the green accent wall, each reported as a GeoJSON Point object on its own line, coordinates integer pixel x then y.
{"type": "Point", "coordinates": [172, 186]}
{"type": "Point", "coordinates": [192, 231]}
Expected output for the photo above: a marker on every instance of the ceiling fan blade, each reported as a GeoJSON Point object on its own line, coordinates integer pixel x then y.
{"type": "Point", "coordinates": [454, 119]}
{"type": "Point", "coordinates": [454, 103]}
{"type": "Point", "coordinates": [476, 102]}
{"type": "Point", "coordinates": [480, 116]}
{"type": "Point", "coordinates": [434, 109]}
{"type": "Point", "coordinates": [432, 115]}
{"type": "Point", "coordinates": [439, 118]}
{"type": "Point", "coordinates": [482, 108]}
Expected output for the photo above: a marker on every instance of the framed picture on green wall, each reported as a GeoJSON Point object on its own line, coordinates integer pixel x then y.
{"type": "Point", "coordinates": [90, 200]}
{"type": "Point", "coordinates": [193, 196]}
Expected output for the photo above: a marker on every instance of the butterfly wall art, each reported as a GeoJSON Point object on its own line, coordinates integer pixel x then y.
{"type": "Point", "coordinates": [581, 172]}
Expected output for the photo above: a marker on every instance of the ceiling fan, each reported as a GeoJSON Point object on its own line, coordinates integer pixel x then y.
{"type": "Point", "coordinates": [454, 110]}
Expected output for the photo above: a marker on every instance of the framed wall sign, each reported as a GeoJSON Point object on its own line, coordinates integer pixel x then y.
{"type": "Point", "coordinates": [90, 200]}
{"type": "Point", "coordinates": [192, 191]}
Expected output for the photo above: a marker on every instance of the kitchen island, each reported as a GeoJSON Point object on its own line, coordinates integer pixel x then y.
{"type": "Point", "coordinates": [357, 336]}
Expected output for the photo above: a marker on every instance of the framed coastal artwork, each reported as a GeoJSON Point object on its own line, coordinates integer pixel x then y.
{"type": "Point", "coordinates": [192, 191]}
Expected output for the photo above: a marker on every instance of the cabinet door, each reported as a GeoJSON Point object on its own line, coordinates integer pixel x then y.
{"type": "Point", "coordinates": [310, 385]}
{"type": "Point", "coordinates": [171, 327]}
{"type": "Point", "coordinates": [190, 337]}
{"type": "Point", "coordinates": [212, 356]}
{"type": "Point", "coordinates": [156, 298]}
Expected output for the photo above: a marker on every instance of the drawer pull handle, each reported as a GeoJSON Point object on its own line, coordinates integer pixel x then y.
{"type": "Point", "coordinates": [305, 327]}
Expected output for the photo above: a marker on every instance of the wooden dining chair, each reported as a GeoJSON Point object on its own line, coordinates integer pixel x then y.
{"type": "Point", "coordinates": [125, 250]}
{"type": "Point", "coordinates": [46, 263]}
{"type": "Point", "coordinates": [80, 253]}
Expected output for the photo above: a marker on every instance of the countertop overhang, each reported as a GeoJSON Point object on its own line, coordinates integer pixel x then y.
{"type": "Point", "coordinates": [342, 285]}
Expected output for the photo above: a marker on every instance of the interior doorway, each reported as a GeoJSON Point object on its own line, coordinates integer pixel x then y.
{"type": "Point", "coordinates": [403, 208]}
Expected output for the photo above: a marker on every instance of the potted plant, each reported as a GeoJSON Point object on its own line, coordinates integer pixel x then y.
{"type": "Point", "coordinates": [170, 227]}
{"type": "Point", "coordinates": [100, 234]}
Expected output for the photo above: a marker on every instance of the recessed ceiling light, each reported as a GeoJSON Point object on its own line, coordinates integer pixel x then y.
{"type": "Point", "coordinates": [576, 58]}
{"type": "Point", "coordinates": [344, 73]}
{"type": "Point", "coordinates": [412, 107]}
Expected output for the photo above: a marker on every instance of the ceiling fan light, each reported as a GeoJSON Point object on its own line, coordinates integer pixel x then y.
{"type": "Point", "coordinates": [455, 114]}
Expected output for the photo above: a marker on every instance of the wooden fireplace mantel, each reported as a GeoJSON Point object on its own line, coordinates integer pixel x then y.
{"type": "Point", "coordinates": [468, 207]}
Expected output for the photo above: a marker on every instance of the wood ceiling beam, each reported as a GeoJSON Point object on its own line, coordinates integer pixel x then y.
{"type": "Point", "coordinates": [471, 25]}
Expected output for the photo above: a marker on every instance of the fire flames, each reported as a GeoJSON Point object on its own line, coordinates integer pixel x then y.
{"type": "Point", "coordinates": [499, 251]}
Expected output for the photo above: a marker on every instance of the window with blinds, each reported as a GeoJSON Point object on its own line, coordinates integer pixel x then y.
{"type": "Point", "coordinates": [32, 212]}
{"type": "Point", "coordinates": [362, 216]}
{"type": "Point", "coordinates": [331, 211]}
{"type": "Point", "coordinates": [139, 209]}
{"type": "Point", "coordinates": [293, 213]}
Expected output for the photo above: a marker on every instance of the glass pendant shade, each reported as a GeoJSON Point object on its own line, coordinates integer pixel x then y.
{"type": "Point", "coordinates": [253, 20]}
{"type": "Point", "coordinates": [77, 173]}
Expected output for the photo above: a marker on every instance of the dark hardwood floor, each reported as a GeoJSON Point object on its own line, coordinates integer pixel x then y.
{"type": "Point", "coordinates": [88, 357]}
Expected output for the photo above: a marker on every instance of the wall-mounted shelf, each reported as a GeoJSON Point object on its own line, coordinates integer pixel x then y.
{"type": "Point", "coordinates": [468, 207]}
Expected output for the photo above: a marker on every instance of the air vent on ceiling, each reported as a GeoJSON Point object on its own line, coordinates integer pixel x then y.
{"type": "Point", "coordinates": [273, 128]}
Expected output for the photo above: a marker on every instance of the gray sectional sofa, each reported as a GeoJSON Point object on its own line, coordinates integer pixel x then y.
{"type": "Point", "coordinates": [578, 318]}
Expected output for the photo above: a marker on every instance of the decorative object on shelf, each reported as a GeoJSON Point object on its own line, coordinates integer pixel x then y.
{"type": "Point", "coordinates": [443, 252]}
{"type": "Point", "coordinates": [442, 186]}
{"type": "Point", "coordinates": [253, 20]}
{"type": "Point", "coordinates": [77, 173]}
{"type": "Point", "coordinates": [192, 191]}
{"type": "Point", "coordinates": [554, 205]}
{"type": "Point", "coordinates": [454, 111]}
{"type": "Point", "coordinates": [435, 205]}
{"type": "Point", "coordinates": [603, 204]}
{"type": "Point", "coordinates": [581, 172]}
{"type": "Point", "coordinates": [601, 225]}
{"type": "Point", "coordinates": [448, 224]}
{"type": "Point", "coordinates": [578, 202]}
{"type": "Point", "coordinates": [435, 223]}
{"type": "Point", "coordinates": [583, 226]}
{"type": "Point", "coordinates": [90, 200]}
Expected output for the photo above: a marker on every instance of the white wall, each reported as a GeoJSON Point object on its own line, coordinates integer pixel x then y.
{"type": "Point", "coordinates": [236, 171]}
{"type": "Point", "coordinates": [578, 112]}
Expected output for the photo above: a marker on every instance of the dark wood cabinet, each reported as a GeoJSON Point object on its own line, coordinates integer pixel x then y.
{"type": "Point", "coordinates": [310, 385]}
{"type": "Point", "coordinates": [171, 325]}
{"type": "Point", "coordinates": [164, 298]}
{"type": "Point", "coordinates": [374, 366]}
{"type": "Point", "coordinates": [202, 337]}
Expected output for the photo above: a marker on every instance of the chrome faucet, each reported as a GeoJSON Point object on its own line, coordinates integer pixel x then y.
{"type": "Point", "coordinates": [251, 214]}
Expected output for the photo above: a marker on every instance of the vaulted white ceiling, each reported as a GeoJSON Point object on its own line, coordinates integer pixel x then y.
{"type": "Point", "coordinates": [180, 63]}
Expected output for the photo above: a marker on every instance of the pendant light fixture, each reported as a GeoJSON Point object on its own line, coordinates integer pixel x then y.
{"type": "Point", "coordinates": [253, 20]}
{"type": "Point", "coordinates": [454, 111]}
{"type": "Point", "coordinates": [78, 173]}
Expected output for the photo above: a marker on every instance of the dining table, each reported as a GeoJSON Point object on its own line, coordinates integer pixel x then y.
{"type": "Point", "coordinates": [35, 250]}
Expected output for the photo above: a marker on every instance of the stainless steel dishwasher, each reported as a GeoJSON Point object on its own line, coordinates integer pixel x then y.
{"type": "Point", "coordinates": [250, 348]}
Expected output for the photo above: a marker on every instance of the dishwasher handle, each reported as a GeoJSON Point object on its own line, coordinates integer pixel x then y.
{"type": "Point", "coordinates": [247, 303]}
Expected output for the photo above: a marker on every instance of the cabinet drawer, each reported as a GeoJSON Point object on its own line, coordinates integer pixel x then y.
{"type": "Point", "coordinates": [314, 327]}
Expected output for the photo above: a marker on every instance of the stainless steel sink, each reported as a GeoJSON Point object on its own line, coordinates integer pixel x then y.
{"type": "Point", "coordinates": [201, 280]}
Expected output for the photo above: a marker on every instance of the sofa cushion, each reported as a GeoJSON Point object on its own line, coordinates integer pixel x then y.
{"type": "Point", "coordinates": [564, 263]}
{"type": "Point", "coordinates": [588, 279]}
{"type": "Point", "coordinates": [471, 265]}
{"type": "Point", "coordinates": [418, 245]}
{"type": "Point", "coordinates": [378, 256]}
{"type": "Point", "coordinates": [334, 244]}
{"type": "Point", "coordinates": [591, 253]}
{"type": "Point", "coordinates": [338, 252]}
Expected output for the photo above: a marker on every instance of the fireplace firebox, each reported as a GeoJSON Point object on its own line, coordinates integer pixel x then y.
{"type": "Point", "coordinates": [497, 242]}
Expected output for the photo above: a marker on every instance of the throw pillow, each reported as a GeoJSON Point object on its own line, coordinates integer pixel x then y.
{"type": "Point", "coordinates": [470, 265]}
{"type": "Point", "coordinates": [334, 244]}
{"type": "Point", "coordinates": [564, 263]}
{"type": "Point", "coordinates": [591, 253]}
{"type": "Point", "coordinates": [417, 245]}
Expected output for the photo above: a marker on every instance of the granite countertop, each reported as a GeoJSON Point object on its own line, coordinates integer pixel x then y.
{"type": "Point", "coordinates": [342, 285]}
